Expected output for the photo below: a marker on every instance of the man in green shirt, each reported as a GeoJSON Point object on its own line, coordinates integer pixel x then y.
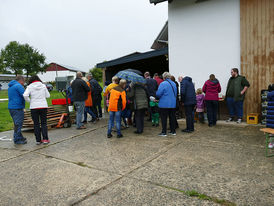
{"type": "Point", "coordinates": [235, 94]}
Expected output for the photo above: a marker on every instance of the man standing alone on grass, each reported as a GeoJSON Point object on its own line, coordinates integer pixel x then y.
{"type": "Point", "coordinates": [235, 94]}
{"type": "Point", "coordinates": [16, 107]}
{"type": "Point", "coordinates": [80, 91]}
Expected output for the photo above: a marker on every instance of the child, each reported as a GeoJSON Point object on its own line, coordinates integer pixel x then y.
{"type": "Point", "coordinates": [200, 104]}
{"type": "Point", "coordinates": [153, 103]}
{"type": "Point", "coordinates": [270, 112]}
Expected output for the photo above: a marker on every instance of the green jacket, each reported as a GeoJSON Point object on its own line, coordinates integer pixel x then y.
{"type": "Point", "coordinates": [140, 97]}
{"type": "Point", "coordinates": [235, 86]}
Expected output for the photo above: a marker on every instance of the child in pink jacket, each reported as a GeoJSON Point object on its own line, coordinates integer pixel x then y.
{"type": "Point", "coordinates": [200, 106]}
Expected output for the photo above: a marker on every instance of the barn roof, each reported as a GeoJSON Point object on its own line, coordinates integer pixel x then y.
{"type": "Point", "coordinates": [61, 67]}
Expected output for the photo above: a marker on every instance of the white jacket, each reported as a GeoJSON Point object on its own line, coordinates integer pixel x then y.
{"type": "Point", "coordinates": [36, 93]}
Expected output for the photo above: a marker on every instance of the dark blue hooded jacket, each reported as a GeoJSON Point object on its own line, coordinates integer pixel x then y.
{"type": "Point", "coordinates": [188, 95]}
{"type": "Point", "coordinates": [15, 92]}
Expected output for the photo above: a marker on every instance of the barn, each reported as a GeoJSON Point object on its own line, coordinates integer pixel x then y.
{"type": "Point", "coordinates": [213, 36]}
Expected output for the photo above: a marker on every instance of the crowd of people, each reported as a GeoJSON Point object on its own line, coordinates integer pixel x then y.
{"type": "Point", "coordinates": [128, 102]}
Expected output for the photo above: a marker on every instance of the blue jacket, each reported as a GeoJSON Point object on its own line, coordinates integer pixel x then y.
{"type": "Point", "coordinates": [167, 93]}
{"type": "Point", "coordinates": [15, 92]}
{"type": "Point", "coordinates": [188, 95]}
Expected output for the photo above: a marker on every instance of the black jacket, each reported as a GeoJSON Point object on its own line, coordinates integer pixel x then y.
{"type": "Point", "coordinates": [152, 87]}
{"type": "Point", "coordinates": [96, 89]}
{"type": "Point", "coordinates": [80, 90]}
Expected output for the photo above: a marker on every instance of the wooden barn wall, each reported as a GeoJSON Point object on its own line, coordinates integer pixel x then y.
{"type": "Point", "coordinates": [257, 49]}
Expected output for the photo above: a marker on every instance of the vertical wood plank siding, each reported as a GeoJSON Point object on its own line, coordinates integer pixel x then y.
{"type": "Point", "coordinates": [257, 49]}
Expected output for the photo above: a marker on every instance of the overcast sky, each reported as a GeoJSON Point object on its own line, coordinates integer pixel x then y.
{"type": "Point", "coordinates": [82, 33]}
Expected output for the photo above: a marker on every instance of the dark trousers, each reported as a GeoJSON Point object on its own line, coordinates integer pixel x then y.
{"type": "Point", "coordinates": [139, 119]}
{"type": "Point", "coordinates": [17, 116]}
{"type": "Point", "coordinates": [189, 110]}
{"type": "Point", "coordinates": [96, 108]}
{"type": "Point", "coordinates": [201, 117]}
{"type": "Point", "coordinates": [212, 111]}
{"type": "Point", "coordinates": [40, 115]}
{"type": "Point", "coordinates": [168, 112]}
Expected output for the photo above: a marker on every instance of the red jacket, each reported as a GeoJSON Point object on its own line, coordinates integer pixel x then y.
{"type": "Point", "coordinates": [158, 80]}
{"type": "Point", "coordinates": [212, 89]}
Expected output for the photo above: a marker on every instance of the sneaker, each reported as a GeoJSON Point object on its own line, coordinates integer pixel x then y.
{"type": "Point", "coordinates": [172, 133]}
{"type": "Point", "coordinates": [239, 121]}
{"type": "Point", "coordinates": [162, 134]}
{"type": "Point", "coordinates": [84, 121]}
{"type": "Point", "coordinates": [230, 119]}
{"type": "Point", "coordinates": [109, 135]}
{"type": "Point", "coordinates": [119, 135]}
{"type": "Point", "coordinates": [38, 143]}
{"type": "Point", "coordinates": [45, 141]}
{"type": "Point", "coordinates": [187, 130]}
{"type": "Point", "coordinates": [137, 132]}
{"type": "Point", "coordinates": [21, 142]}
{"type": "Point", "coordinates": [82, 127]}
{"type": "Point", "coordinates": [270, 145]}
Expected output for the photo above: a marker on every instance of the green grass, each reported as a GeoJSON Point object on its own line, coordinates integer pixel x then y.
{"type": "Point", "coordinates": [6, 122]}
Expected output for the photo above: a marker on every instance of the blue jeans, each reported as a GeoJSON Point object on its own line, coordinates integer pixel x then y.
{"type": "Point", "coordinates": [88, 110]}
{"type": "Point", "coordinates": [17, 116]}
{"type": "Point", "coordinates": [117, 116]}
{"type": "Point", "coordinates": [235, 108]}
{"type": "Point", "coordinates": [212, 111]}
{"type": "Point", "coordinates": [80, 106]}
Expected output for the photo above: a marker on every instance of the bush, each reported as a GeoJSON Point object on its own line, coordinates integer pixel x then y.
{"type": "Point", "coordinates": [97, 74]}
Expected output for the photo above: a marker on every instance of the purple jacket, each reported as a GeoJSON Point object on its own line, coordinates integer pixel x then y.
{"type": "Point", "coordinates": [200, 101]}
{"type": "Point", "coordinates": [211, 89]}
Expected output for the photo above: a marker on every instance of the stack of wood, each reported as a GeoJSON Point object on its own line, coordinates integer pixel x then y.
{"type": "Point", "coordinates": [54, 114]}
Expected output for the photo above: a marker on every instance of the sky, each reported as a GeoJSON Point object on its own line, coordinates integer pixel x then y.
{"type": "Point", "coordinates": [82, 33]}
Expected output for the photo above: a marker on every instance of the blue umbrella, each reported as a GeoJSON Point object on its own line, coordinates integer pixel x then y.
{"type": "Point", "coordinates": [131, 76]}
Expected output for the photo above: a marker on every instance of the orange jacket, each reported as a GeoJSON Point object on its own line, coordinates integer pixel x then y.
{"type": "Point", "coordinates": [117, 100]}
{"type": "Point", "coordinates": [88, 102]}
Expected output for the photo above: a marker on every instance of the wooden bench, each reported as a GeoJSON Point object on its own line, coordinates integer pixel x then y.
{"type": "Point", "coordinates": [267, 132]}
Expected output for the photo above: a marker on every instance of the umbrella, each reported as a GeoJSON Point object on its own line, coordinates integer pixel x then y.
{"type": "Point", "coordinates": [131, 76]}
{"type": "Point", "coordinates": [135, 71]}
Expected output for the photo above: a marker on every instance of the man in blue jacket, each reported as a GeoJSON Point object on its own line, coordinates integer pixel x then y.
{"type": "Point", "coordinates": [188, 97]}
{"type": "Point", "coordinates": [16, 107]}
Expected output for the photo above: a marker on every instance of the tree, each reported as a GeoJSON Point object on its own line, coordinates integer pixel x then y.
{"type": "Point", "coordinates": [22, 58]}
{"type": "Point", "coordinates": [97, 74]}
{"type": "Point", "coordinates": [12, 58]}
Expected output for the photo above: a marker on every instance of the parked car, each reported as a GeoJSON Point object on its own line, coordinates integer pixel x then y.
{"type": "Point", "coordinates": [49, 87]}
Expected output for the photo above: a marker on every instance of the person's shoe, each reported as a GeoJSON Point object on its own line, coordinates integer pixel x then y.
{"type": "Point", "coordinates": [21, 142]}
{"type": "Point", "coordinates": [84, 121]}
{"type": "Point", "coordinates": [127, 126]}
{"type": "Point", "coordinates": [187, 130]}
{"type": "Point", "coordinates": [137, 132]}
{"type": "Point", "coordinates": [82, 127]}
{"type": "Point", "coordinates": [230, 119]}
{"type": "Point", "coordinates": [109, 135]}
{"type": "Point", "coordinates": [38, 143]}
{"type": "Point", "coordinates": [210, 125]}
{"type": "Point", "coordinates": [119, 135]}
{"type": "Point", "coordinates": [162, 134]}
{"type": "Point", "coordinates": [172, 133]}
{"type": "Point", "coordinates": [45, 141]}
{"type": "Point", "coordinates": [270, 145]}
{"type": "Point", "coordinates": [239, 121]}
{"type": "Point", "coordinates": [24, 139]}
{"type": "Point", "coordinates": [153, 125]}
{"type": "Point", "coordinates": [100, 116]}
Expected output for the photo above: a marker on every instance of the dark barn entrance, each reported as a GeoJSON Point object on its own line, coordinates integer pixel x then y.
{"type": "Point", "coordinates": [155, 61]}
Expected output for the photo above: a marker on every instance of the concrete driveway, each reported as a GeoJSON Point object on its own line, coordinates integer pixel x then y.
{"type": "Point", "coordinates": [223, 165]}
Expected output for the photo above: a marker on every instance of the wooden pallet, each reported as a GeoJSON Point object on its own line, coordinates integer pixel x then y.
{"type": "Point", "coordinates": [54, 114]}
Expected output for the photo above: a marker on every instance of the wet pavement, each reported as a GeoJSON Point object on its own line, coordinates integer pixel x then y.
{"type": "Point", "coordinates": [223, 165]}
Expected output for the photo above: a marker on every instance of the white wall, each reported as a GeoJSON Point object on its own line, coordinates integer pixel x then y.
{"type": "Point", "coordinates": [204, 39]}
{"type": "Point", "coordinates": [50, 76]}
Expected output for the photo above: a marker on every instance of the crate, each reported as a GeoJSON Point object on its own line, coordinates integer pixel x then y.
{"type": "Point", "coordinates": [253, 118]}
{"type": "Point", "coordinates": [59, 101]}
